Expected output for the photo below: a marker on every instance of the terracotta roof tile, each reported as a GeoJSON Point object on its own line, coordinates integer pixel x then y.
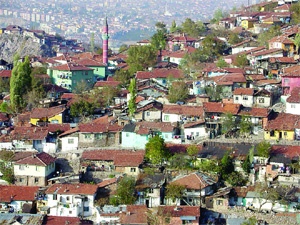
{"type": "Point", "coordinates": [106, 84]}
{"type": "Point", "coordinates": [89, 62]}
{"type": "Point", "coordinates": [295, 96]}
{"type": "Point", "coordinates": [284, 122]}
{"type": "Point", "coordinates": [39, 113]}
{"type": "Point", "coordinates": [160, 73]}
{"type": "Point", "coordinates": [107, 182]}
{"type": "Point", "coordinates": [145, 127]}
{"type": "Point", "coordinates": [180, 148]}
{"type": "Point", "coordinates": [289, 60]}
{"type": "Point", "coordinates": [52, 127]}
{"type": "Point", "coordinates": [179, 211]}
{"type": "Point", "coordinates": [98, 128]}
{"type": "Point", "coordinates": [71, 67]}
{"type": "Point", "coordinates": [40, 159]}
{"type": "Point", "coordinates": [3, 117]}
{"type": "Point", "coordinates": [56, 220]}
{"type": "Point", "coordinates": [218, 107]}
{"type": "Point", "coordinates": [184, 110]}
{"type": "Point", "coordinates": [5, 73]}
{"type": "Point", "coordinates": [71, 131]}
{"type": "Point", "coordinates": [75, 189]}
{"type": "Point", "coordinates": [288, 151]}
{"type": "Point", "coordinates": [255, 112]}
{"type": "Point", "coordinates": [135, 214]}
{"type": "Point", "coordinates": [17, 193]}
{"type": "Point", "coordinates": [194, 181]}
{"type": "Point", "coordinates": [244, 91]}
{"type": "Point", "coordinates": [29, 133]}
{"type": "Point", "coordinates": [229, 79]}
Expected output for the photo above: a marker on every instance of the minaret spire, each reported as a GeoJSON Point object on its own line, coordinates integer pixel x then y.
{"type": "Point", "coordinates": [105, 38]}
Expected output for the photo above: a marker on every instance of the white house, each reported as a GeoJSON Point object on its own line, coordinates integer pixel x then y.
{"type": "Point", "coordinates": [14, 198]}
{"type": "Point", "coordinates": [69, 140]}
{"type": "Point", "coordinates": [34, 170]}
{"type": "Point", "coordinates": [195, 130]}
{"type": "Point", "coordinates": [293, 102]}
{"type": "Point", "coordinates": [243, 96]}
{"type": "Point", "coordinates": [184, 113]}
{"type": "Point", "coordinates": [71, 200]}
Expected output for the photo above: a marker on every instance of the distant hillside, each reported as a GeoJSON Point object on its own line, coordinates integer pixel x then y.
{"type": "Point", "coordinates": [10, 44]}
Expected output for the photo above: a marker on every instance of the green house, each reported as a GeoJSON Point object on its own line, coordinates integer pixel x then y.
{"type": "Point", "coordinates": [99, 68]}
{"type": "Point", "coordinates": [70, 74]}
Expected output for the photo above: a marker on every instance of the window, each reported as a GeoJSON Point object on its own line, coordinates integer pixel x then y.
{"type": "Point", "coordinates": [148, 113]}
{"type": "Point", "coordinates": [261, 100]}
{"type": "Point", "coordinates": [86, 208]}
{"type": "Point", "coordinates": [166, 117]}
{"type": "Point", "coordinates": [245, 97]}
{"type": "Point", "coordinates": [70, 212]}
{"type": "Point", "coordinates": [21, 180]}
{"type": "Point", "coordinates": [197, 134]}
{"type": "Point", "coordinates": [272, 133]}
{"type": "Point", "coordinates": [38, 142]}
{"type": "Point", "coordinates": [36, 180]}
{"type": "Point", "coordinates": [127, 135]}
{"type": "Point", "coordinates": [285, 133]}
{"type": "Point", "coordinates": [166, 136]}
{"type": "Point", "coordinates": [70, 141]}
{"type": "Point", "coordinates": [219, 202]}
{"type": "Point", "coordinates": [151, 190]}
{"type": "Point", "coordinates": [293, 106]}
{"type": "Point", "coordinates": [132, 170]}
{"type": "Point", "coordinates": [68, 198]}
{"type": "Point", "coordinates": [98, 136]}
{"type": "Point", "coordinates": [87, 136]}
{"type": "Point", "coordinates": [54, 196]}
{"type": "Point", "coordinates": [237, 98]}
{"type": "Point", "coordinates": [21, 167]}
{"type": "Point", "coordinates": [37, 168]}
{"type": "Point", "coordinates": [286, 80]}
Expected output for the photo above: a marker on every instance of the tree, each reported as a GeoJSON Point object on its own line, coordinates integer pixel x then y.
{"type": "Point", "coordinates": [173, 28]}
{"type": "Point", "coordinates": [158, 41]}
{"type": "Point", "coordinates": [140, 58]}
{"type": "Point", "coordinates": [123, 76]}
{"type": "Point", "coordinates": [297, 42]}
{"type": "Point", "coordinates": [236, 179]}
{"type": "Point", "coordinates": [82, 108]}
{"type": "Point", "coordinates": [178, 92]}
{"type": "Point", "coordinates": [234, 38]}
{"type": "Point", "coordinates": [123, 48]}
{"type": "Point", "coordinates": [179, 161]}
{"type": "Point", "coordinates": [108, 94]}
{"type": "Point", "coordinates": [161, 26]}
{"type": "Point", "coordinates": [245, 125]}
{"type": "Point", "coordinates": [92, 42]}
{"type": "Point", "coordinates": [174, 191]}
{"type": "Point", "coordinates": [192, 151]}
{"type": "Point", "coordinates": [6, 167]}
{"type": "Point", "coordinates": [209, 166]}
{"type": "Point", "coordinates": [4, 85]}
{"type": "Point", "coordinates": [251, 221]}
{"type": "Point", "coordinates": [131, 102]}
{"type": "Point", "coordinates": [20, 83]}
{"type": "Point", "coordinates": [214, 93]}
{"type": "Point", "coordinates": [156, 150]}
{"type": "Point", "coordinates": [191, 63]}
{"type": "Point", "coordinates": [241, 61]}
{"type": "Point", "coordinates": [218, 15]}
{"type": "Point", "coordinates": [246, 165]}
{"type": "Point", "coordinates": [221, 63]}
{"type": "Point", "coordinates": [295, 10]}
{"type": "Point", "coordinates": [228, 124]}
{"type": "Point", "coordinates": [81, 88]}
{"type": "Point", "coordinates": [212, 47]}
{"type": "Point", "coordinates": [226, 165]}
{"type": "Point", "coordinates": [125, 193]}
{"type": "Point", "coordinates": [266, 194]}
{"type": "Point", "coordinates": [191, 28]}
{"type": "Point", "coordinates": [263, 149]}
{"type": "Point", "coordinates": [264, 37]}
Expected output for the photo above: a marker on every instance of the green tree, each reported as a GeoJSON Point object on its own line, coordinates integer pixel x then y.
{"type": "Point", "coordinates": [123, 76]}
{"type": "Point", "coordinates": [20, 83]}
{"type": "Point", "coordinates": [263, 149]}
{"type": "Point", "coordinates": [179, 161]}
{"type": "Point", "coordinates": [125, 193]}
{"type": "Point", "coordinates": [178, 91]}
{"type": "Point", "coordinates": [234, 38]}
{"type": "Point", "coordinates": [6, 167]}
{"type": "Point", "coordinates": [82, 108]}
{"type": "Point", "coordinates": [221, 63]}
{"type": "Point", "coordinates": [297, 42]}
{"type": "Point", "coordinates": [212, 47]}
{"type": "Point", "coordinates": [214, 93]}
{"type": "Point", "coordinates": [228, 124]}
{"type": "Point", "coordinates": [193, 151]}
{"type": "Point", "coordinates": [246, 165]}
{"type": "Point", "coordinates": [218, 15]}
{"type": "Point", "coordinates": [158, 41]}
{"type": "Point", "coordinates": [109, 93]}
{"type": "Point", "coordinates": [251, 221]}
{"type": "Point", "coordinates": [4, 85]}
{"type": "Point", "coordinates": [174, 191]}
{"type": "Point", "coordinates": [191, 28]}
{"type": "Point", "coordinates": [156, 150]}
{"type": "Point", "coordinates": [173, 28]}
{"type": "Point", "coordinates": [140, 58]}
{"type": "Point", "coordinates": [295, 10]}
{"type": "Point", "coordinates": [192, 63]}
{"type": "Point", "coordinates": [133, 93]}
{"type": "Point", "coordinates": [265, 36]}
{"type": "Point", "coordinates": [161, 26]}
{"type": "Point", "coordinates": [123, 48]}
{"type": "Point", "coordinates": [245, 125]}
{"type": "Point", "coordinates": [226, 165]}
{"type": "Point", "coordinates": [236, 179]}
{"type": "Point", "coordinates": [92, 42]}
{"type": "Point", "coordinates": [209, 166]}
{"type": "Point", "coordinates": [241, 61]}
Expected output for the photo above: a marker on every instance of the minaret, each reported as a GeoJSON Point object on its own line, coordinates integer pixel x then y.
{"type": "Point", "coordinates": [105, 38]}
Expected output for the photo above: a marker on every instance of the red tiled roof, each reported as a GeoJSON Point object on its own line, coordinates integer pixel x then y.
{"type": "Point", "coordinates": [295, 96]}
{"type": "Point", "coordinates": [218, 107]}
{"type": "Point", "coordinates": [71, 67]}
{"type": "Point", "coordinates": [256, 112]}
{"type": "Point", "coordinates": [229, 79]}
{"type": "Point", "coordinates": [282, 60]}
{"type": "Point", "coordinates": [89, 62]}
{"type": "Point", "coordinates": [98, 128]}
{"type": "Point", "coordinates": [39, 113]}
{"type": "Point", "coordinates": [10, 193]}
{"type": "Point", "coordinates": [57, 220]}
{"type": "Point", "coordinates": [244, 91]}
{"type": "Point", "coordinates": [145, 127]}
{"type": "Point", "coordinates": [5, 73]}
{"type": "Point", "coordinates": [106, 84]}
{"type": "Point", "coordinates": [184, 110]}
{"type": "Point", "coordinates": [3, 117]}
{"type": "Point", "coordinates": [291, 71]}
{"type": "Point", "coordinates": [179, 211]}
{"type": "Point", "coordinates": [67, 189]}
{"type": "Point", "coordinates": [22, 155]}
{"type": "Point", "coordinates": [266, 52]}
{"type": "Point", "coordinates": [284, 122]}
{"type": "Point", "coordinates": [119, 157]}
{"type": "Point", "coordinates": [160, 73]}
{"type": "Point", "coordinates": [52, 127]}
{"type": "Point", "coordinates": [291, 152]}
{"type": "Point", "coordinates": [180, 148]}
{"type": "Point", "coordinates": [194, 181]}
{"type": "Point", "coordinates": [40, 159]}
{"type": "Point", "coordinates": [135, 214]}
{"type": "Point", "coordinates": [68, 96]}
{"type": "Point", "coordinates": [29, 133]}
{"type": "Point", "coordinates": [107, 182]}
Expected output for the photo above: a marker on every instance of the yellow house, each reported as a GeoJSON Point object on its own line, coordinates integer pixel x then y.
{"type": "Point", "coordinates": [48, 115]}
{"type": "Point", "coordinates": [248, 23]}
{"type": "Point", "coordinates": [282, 127]}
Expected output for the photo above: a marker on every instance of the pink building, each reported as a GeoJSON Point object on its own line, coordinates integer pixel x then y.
{"type": "Point", "coordinates": [290, 79]}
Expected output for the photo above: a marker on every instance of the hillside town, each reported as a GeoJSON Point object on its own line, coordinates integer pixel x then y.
{"type": "Point", "coordinates": [197, 125]}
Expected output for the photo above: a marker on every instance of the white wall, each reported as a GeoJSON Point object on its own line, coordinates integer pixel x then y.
{"type": "Point", "coordinates": [37, 171]}
{"type": "Point", "coordinates": [66, 146]}
{"type": "Point", "coordinates": [238, 99]}
{"type": "Point", "coordinates": [171, 117]}
{"type": "Point", "coordinates": [292, 108]}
